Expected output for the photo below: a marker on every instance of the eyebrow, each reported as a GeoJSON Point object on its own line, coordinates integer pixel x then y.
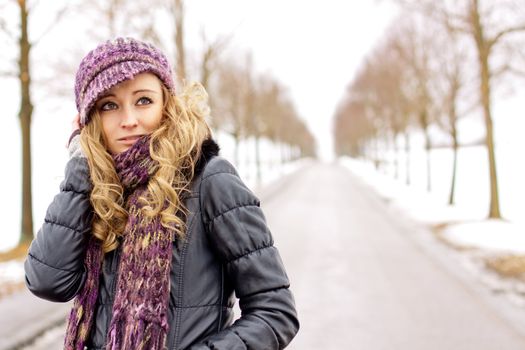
{"type": "Point", "coordinates": [134, 93]}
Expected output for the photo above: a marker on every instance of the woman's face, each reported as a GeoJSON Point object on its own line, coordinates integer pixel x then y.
{"type": "Point", "coordinates": [130, 110]}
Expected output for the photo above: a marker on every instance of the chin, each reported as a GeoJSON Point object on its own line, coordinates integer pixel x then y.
{"type": "Point", "coordinates": [117, 150]}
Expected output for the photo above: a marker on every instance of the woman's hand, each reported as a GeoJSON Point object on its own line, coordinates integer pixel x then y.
{"type": "Point", "coordinates": [73, 145]}
{"type": "Point", "coordinates": [76, 123]}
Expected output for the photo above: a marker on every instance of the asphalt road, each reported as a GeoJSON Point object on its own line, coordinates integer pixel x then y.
{"type": "Point", "coordinates": [366, 279]}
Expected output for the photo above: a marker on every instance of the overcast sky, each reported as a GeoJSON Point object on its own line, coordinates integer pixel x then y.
{"type": "Point", "coordinates": [312, 47]}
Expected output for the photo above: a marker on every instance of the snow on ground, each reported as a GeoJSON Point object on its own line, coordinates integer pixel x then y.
{"type": "Point", "coordinates": [10, 271]}
{"type": "Point", "coordinates": [493, 235]}
{"type": "Point", "coordinates": [11, 276]}
{"type": "Point", "coordinates": [466, 223]}
{"type": "Point", "coordinates": [271, 167]}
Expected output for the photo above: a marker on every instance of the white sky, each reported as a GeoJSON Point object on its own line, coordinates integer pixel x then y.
{"type": "Point", "coordinates": [312, 47]}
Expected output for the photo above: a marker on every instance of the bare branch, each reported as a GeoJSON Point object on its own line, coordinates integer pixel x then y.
{"type": "Point", "coordinates": [8, 74]}
{"type": "Point", "coordinates": [4, 29]}
{"type": "Point", "coordinates": [470, 108]}
{"type": "Point", "coordinates": [517, 71]}
{"type": "Point", "coordinates": [58, 16]}
{"type": "Point", "coordinates": [149, 33]}
{"type": "Point", "coordinates": [504, 68]}
{"type": "Point", "coordinates": [503, 33]}
{"type": "Point", "coordinates": [10, 70]}
{"type": "Point", "coordinates": [454, 22]}
{"type": "Point", "coordinates": [31, 7]}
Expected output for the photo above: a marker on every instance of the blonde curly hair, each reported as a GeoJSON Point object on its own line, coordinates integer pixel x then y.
{"type": "Point", "coordinates": [175, 145]}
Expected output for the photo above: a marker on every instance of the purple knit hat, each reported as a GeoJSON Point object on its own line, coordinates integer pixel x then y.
{"type": "Point", "coordinates": [113, 62]}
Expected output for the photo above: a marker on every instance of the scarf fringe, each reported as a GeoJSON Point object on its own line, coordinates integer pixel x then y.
{"type": "Point", "coordinates": [80, 317]}
{"type": "Point", "coordinates": [136, 334]}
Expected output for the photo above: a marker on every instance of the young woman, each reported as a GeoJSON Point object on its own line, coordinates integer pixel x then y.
{"type": "Point", "coordinates": [152, 232]}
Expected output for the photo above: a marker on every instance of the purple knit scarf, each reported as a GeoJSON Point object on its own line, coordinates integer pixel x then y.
{"type": "Point", "coordinates": [140, 308]}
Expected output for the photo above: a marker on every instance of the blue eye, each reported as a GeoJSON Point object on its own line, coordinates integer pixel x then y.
{"type": "Point", "coordinates": [144, 101]}
{"type": "Point", "coordinates": [108, 106]}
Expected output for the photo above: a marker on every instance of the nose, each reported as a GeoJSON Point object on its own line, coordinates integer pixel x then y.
{"type": "Point", "coordinates": [129, 119]}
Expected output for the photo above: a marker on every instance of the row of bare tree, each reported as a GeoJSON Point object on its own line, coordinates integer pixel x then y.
{"type": "Point", "coordinates": [438, 62]}
{"type": "Point", "coordinates": [250, 105]}
{"type": "Point", "coordinates": [244, 104]}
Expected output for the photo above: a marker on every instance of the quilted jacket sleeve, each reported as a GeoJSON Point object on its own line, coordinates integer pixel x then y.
{"type": "Point", "coordinates": [54, 268]}
{"type": "Point", "coordinates": [241, 238]}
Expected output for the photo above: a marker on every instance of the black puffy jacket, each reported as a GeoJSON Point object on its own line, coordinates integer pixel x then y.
{"type": "Point", "coordinates": [228, 249]}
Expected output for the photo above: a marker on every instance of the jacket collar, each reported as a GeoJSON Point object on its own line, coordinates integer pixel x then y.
{"type": "Point", "coordinates": [209, 149]}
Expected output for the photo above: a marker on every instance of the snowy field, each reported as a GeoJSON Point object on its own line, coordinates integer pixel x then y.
{"type": "Point", "coordinates": [466, 222]}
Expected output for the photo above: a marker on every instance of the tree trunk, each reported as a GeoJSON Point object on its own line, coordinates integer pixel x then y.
{"type": "Point", "coordinates": [179, 40]}
{"type": "Point", "coordinates": [396, 156]}
{"type": "Point", "coordinates": [258, 160]}
{"type": "Point", "coordinates": [429, 166]}
{"type": "Point", "coordinates": [454, 167]}
{"type": "Point", "coordinates": [455, 146]}
{"type": "Point", "coordinates": [236, 150]}
{"type": "Point", "coordinates": [25, 113]}
{"type": "Point", "coordinates": [205, 73]}
{"type": "Point", "coordinates": [407, 159]}
{"type": "Point", "coordinates": [483, 58]}
{"type": "Point", "coordinates": [111, 16]}
{"type": "Point", "coordinates": [494, 211]}
{"type": "Point", "coordinates": [377, 161]}
{"type": "Point", "coordinates": [428, 147]}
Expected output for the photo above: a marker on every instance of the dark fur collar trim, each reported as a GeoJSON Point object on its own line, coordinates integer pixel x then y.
{"type": "Point", "coordinates": [209, 149]}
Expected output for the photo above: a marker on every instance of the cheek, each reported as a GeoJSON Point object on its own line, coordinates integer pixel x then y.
{"type": "Point", "coordinates": [110, 131]}
{"type": "Point", "coordinates": [108, 127]}
{"type": "Point", "coordinates": [152, 120]}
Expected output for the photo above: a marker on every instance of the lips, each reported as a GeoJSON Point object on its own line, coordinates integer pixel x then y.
{"type": "Point", "coordinates": [130, 138]}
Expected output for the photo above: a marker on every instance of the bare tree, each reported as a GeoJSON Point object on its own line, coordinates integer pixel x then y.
{"type": "Point", "coordinates": [277, 119]}
{"type": "Point", "coordinates": [389, 80]}
{"type": "Point", "coordinates": [23, 74]}
{"type": "Point", "coordinates": [362, 93]}
{"type": "Point", "coordinates": [177, 9]}
{"type": "Point", "coordinates": [414, 46]}
{"type": "Point", "coordinates": [450, 87]}
{"type": "Point", "coordinates": [229, 113]}
{"type": "Point", "coordinates": [210, 56]}
{"type": "Point", "coordinates": [25, 114]}
{"type": "Point", "coordinates": [352, 129]}
{"type": "Point", "coordinates": [379, 92]}
{"type": "Point", "coordinates": [487, 24]}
